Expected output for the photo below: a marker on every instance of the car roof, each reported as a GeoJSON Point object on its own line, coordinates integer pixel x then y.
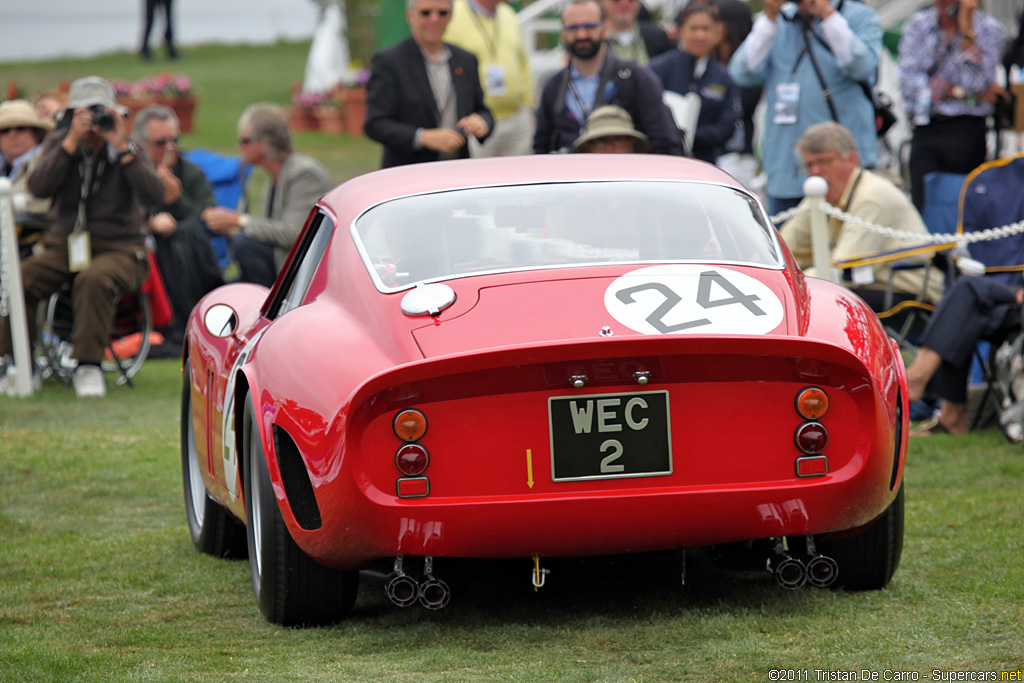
{"type": "Point", "coordinates": [358, 194]}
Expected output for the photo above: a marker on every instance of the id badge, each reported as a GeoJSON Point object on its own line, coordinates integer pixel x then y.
{"type": "Point", "coordinates": [495, 77]}
{"type": "Point", "coordinates": [787, 97]}
{"type": "Point", "coordinates": [79, 251]}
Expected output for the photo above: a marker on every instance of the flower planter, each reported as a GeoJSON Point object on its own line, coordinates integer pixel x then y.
{"type": "Point", "coordinates": [301, 118]}
{"type": "Point", "coordinates": [183, 106]}
{"type": "Point", "coordinates": [354, 109]}
{"type": "Point", "coordinates": [330, 119]}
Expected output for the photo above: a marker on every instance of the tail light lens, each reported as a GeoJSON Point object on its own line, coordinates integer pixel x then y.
{"type": "Point", "coordinates": [812, 403]}
{"type": "Point", "coordinates": [412, 459]}
{"type": "Point", "coordinates": [811, 437]}
{"type": "Point", "coordinates": [410, 425]}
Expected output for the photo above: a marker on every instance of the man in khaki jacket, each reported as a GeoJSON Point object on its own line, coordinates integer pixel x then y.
{"type": "Point", "coordinates": [829, 150]}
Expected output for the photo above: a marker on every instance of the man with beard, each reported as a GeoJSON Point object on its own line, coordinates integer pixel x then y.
{"type": "Point", "coordinates": [595, 77]}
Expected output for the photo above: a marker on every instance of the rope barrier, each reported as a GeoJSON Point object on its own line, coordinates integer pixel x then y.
{"type": "Point", "coordinates": [985, 235]}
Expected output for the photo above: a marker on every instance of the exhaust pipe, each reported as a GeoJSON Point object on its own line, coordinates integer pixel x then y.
{"type": "Point", "coordinates": [434, 593]}
{"type": "Point", "coordinates": [822, 571]}
{"type": "Point", "coordinates": [789, 572]}
{"type": "Point", "coordinates": [401, 589]}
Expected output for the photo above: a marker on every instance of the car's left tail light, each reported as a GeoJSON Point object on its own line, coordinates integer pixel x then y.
{"type": "Point", "coordinates": [811, 436]}
{"type": "Point", "coordinates": [411, 457]}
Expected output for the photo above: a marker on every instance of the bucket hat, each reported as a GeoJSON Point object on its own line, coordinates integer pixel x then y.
{"type": "Point", "coordinates": [91, 90]}
{"type": "Point", "coordinates": [14, 113]}
{"type": "Point", "coordinates": [608, 121]}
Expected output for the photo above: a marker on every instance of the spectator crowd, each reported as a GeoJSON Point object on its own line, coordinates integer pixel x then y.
{"type": "Point", "coordinates": [461, 86]}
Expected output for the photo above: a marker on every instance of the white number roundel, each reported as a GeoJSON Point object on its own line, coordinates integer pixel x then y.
{"type": "Point", "coordinates": [693, 299]}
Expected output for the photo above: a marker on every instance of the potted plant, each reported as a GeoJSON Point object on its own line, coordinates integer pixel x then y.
{"type": "Point", "coordinates": [300, 111]}
{"type": "Point", "coordinates": [328, 112]}
{"type": "Point", "coordinates": [353, 99]}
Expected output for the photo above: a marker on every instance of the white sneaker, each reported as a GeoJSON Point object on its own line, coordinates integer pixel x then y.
{"type": "Point", "coordinates": [89, 381]}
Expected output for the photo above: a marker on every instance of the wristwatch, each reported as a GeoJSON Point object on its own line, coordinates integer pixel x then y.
{"type": "Point", "coordinates": [243, 220]}
{"type": "Point", "coordinates": [132, 151]}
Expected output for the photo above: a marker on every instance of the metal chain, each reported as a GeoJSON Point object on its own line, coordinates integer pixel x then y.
{"type": "Point", "coordinates": [904, 235]}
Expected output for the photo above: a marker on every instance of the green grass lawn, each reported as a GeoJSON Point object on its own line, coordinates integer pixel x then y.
{"type": "Point", "coordinates": [99, 581]}
{"type": "Point", "coordinates": [227, 79]}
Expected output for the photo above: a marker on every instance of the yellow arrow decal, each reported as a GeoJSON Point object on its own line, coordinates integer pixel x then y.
{"type": "Point", "coordinates": [529, 468]}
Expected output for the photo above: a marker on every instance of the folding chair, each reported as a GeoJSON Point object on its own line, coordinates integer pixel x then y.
{"type": "Point", "coordinates": [941, 208]}
{"type": "Point", "coordinates": [990, 198]}
{"type": "Point", "coordinates": [228, 176]}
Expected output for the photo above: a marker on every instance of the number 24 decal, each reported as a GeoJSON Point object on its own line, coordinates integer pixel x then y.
{"type": "Point", "coordinates": [707, 279]}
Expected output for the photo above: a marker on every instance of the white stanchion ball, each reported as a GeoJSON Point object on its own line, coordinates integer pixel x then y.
{"type": "Point", "coordinates": [815, 186]}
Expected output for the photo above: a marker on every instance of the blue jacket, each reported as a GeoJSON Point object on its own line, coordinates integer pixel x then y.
{"type": "Point", "coordinates": [628, 85]}
{"type": "Point", "coordinates": [720, 99]}
{"type": "Point", "coordinates": [787, 63]}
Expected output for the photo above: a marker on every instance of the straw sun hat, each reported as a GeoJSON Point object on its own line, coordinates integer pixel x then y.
{"type": "Point", "coordinates": [16, 113]}
{"type": "Point", "coordinates": [610, 121]}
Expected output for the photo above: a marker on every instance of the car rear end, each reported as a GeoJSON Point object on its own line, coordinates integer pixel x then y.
{"type": "Point", "coordinates": [616, 447]}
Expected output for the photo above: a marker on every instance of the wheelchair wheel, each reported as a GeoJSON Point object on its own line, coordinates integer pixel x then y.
{"type": "Point", "coordinates": [126, 351]}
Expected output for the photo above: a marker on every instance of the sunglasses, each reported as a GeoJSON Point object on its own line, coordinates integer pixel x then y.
{"type": "Point", "coordinates": [162, 142]}
{"type": "Point", "coordinates": [572, 28]}
{"type": "Point", "coordinates": [15, 129]}
{"type": "Point", "coordinates": [439, 12]}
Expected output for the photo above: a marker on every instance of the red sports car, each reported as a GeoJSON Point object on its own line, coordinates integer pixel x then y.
{"type": "Point", "coordinates": [537, 357]}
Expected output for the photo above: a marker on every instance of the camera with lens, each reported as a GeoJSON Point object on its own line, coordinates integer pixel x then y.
{"type": "Point", "coordinates": [101, 118]}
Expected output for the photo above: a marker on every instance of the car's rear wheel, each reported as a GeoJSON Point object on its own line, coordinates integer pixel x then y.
{"type": "Point", "coordinates": [868, 559]}
{"type": "Point", "coordinates": [291, 588]}
{"type": "Point", "coordinates": [213, 530]}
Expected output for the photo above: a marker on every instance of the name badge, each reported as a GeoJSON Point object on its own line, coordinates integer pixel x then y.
{"type": "Point", "coordinates": [79, 251]}
{"type": "Point", "coordinates": [787, 97]}
{"type": "Point", "coordinates": [494, 76]}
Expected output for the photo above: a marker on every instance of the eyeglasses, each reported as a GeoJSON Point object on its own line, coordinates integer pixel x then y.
{"type": "Point", "coordinates": [573, 28]}
{"type": "Point", "coordinates": [246, 140]}
{"type": "Point", "coordinates": [439, 12]}
{"type": "Point", "coordinates": [162, 142]}
{"type": "Point", "coordinates": [822, 162]}
{"type": "Point", "coordinates": [15, 129]}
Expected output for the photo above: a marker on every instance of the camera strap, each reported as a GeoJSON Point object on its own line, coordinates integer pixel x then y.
{"type": "Point", "coordinates": [806, 31]}
{"type": "Point", "coordinates": [90, 168]}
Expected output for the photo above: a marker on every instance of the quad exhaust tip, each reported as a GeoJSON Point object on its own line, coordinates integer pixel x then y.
{"type": "Point", "coordinates": [404, 590]}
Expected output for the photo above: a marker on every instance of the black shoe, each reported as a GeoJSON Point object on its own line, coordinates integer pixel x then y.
{"type": "Point", "coordinates": [172, 53]}
{"type": "Point", "coordinates": [145, 55]}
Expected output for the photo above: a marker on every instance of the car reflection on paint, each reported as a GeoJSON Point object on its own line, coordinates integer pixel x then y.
{"type": "Point", "coordinates": [457, 354]}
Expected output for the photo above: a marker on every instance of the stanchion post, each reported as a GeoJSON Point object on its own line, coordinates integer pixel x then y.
{"type": "Point", "coordinates": [815, 189]}
{"type": "Point", "coordinates": [19, 377]}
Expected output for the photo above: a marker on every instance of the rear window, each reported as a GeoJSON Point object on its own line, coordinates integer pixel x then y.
{"type": "Point", "coordinates": [474, 231]}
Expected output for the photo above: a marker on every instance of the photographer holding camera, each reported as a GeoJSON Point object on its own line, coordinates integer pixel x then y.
{"type": "Point", "coordinates": [948, 58]}
{"type": "Point", "coordinates": [99, 182]}
{"type": "Point", "coordinates": [814, 58]}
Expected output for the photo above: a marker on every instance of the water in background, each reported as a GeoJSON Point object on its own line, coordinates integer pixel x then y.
{"type": "Point", "coordinates": [48, 29]}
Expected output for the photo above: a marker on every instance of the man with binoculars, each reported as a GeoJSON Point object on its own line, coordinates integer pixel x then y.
{"type": "Point", "coordinates": [99, 182]}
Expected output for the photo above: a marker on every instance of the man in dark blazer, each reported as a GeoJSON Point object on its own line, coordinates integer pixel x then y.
{"type": "Point", "coordinates": [424, 97]}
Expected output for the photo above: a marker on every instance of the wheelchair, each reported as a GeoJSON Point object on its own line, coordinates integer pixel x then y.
{"type": "Point", "coordinates": [130, 338]}
{"type": "Point", "coordinates": [131, 334]}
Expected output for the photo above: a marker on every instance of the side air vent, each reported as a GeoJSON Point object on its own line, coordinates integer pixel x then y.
{"type": "Point", "coordinates": [297, 486]}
